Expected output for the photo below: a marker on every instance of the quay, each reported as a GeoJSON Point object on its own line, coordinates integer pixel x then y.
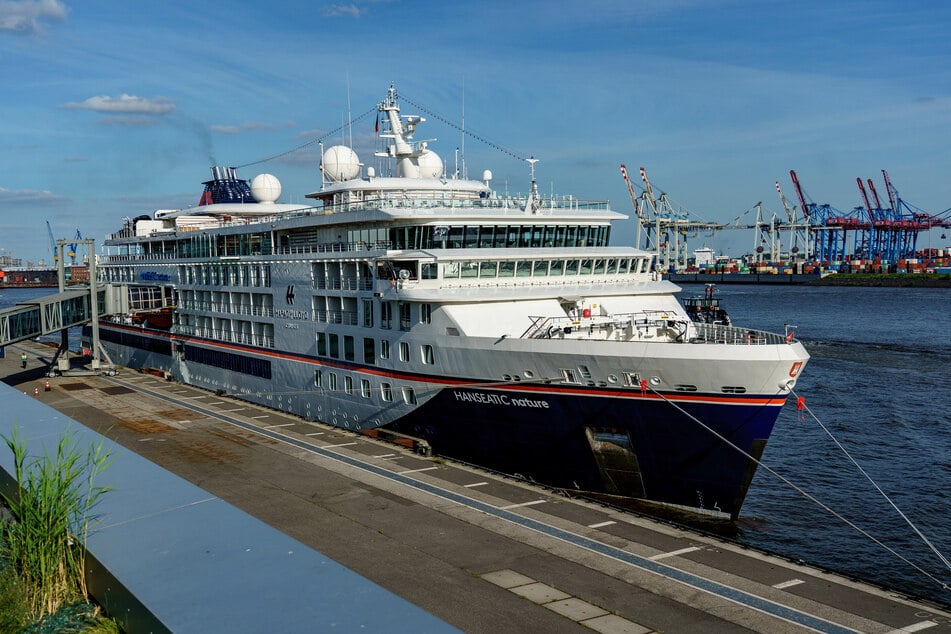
{"type": "Point", "coordinates": [440, 545]}
{"type": "Point", "coordinates": [741, 278]}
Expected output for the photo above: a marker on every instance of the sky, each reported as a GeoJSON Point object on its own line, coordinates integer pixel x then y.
{"type": "Point", "coordinates": [114, 109]}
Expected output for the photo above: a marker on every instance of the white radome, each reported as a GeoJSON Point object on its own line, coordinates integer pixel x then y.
{"type": "Point", "coordinates": [430, 165]}
{"type": "Point", "coordinates": [266, 188]}
{"type": "Point", "coordinates": [340, 163]}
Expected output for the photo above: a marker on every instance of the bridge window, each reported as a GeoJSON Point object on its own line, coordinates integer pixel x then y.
{"type": "Point", "coordinates": [404, 351]}
{"type": "Point", "coordinates": [488, 269]}
{"type": "Point", "coordinates": [384, 349]}
{"type": "Point", "coordinates": [364, 388]}
{"type": "Point", "coordinates": [409, 396]}
{"type": "Point", "coordinates": [386, 390]}
{"type": "Point", "coordinates": [428, 357]}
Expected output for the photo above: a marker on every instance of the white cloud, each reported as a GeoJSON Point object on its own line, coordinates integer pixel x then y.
{"type": "Point", "coordinates": [343, 10]}
{"type": "Point", "coordinates": [125, 104]}
{"type": "Point", "coordinates": [31, 197]}
{"type": "Point", "coordinates": [25, 17]}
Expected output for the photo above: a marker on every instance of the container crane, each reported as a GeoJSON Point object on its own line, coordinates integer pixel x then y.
{"type": "Point", "coordinates": [797, 233]}
{"type": "Point", "coordinates": [642, 221]}
{"type": "Point", "coordinates": [49, 231]}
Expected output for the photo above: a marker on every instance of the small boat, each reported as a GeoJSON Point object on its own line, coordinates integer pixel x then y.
{"type": "Point", "coordinates": [706, 308]}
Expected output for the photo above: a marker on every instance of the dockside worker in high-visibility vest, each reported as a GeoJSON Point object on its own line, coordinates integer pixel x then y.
{"type": "Point", "coordinates": [23, 359]}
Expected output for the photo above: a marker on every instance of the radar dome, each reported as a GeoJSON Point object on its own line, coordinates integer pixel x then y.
{"type": "Point", "coordinates": [340, 163]}
{"type": "Point", "coordinates": [430, 165]}
{"type": "Point", "coordinates": [266, 188]}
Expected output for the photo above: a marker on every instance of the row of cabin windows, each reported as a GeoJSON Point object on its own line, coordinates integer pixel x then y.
{"type": "Point", "coordinates": [498, 236]}
{"type": "Point", "coordinates": [535, 268]}
{"type": "Point", "coordinates": [328, 381]}
{"type": "Point", "coordinates": [217, 274]}
{"type": "Point", "coordinates": [328, 345]}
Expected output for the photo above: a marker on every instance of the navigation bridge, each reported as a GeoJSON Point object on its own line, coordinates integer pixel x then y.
{"type": "Point", "coordinates": [61, 311]}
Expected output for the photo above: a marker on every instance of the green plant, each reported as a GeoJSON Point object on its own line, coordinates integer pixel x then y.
{"type": "Point", "coordinates": [52, 505]}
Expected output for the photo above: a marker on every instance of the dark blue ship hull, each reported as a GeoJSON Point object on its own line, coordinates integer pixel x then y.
{"type": "Point", "coordinates": [636, 445]}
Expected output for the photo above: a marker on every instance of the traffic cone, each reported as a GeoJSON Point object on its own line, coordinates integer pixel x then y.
{"type": "Point", "coordinates": [36, 391]}
{"type": "Point", "coordinates": [47, 388]}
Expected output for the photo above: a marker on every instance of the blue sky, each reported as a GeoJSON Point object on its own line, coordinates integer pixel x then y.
{"type": "Point", "coordinates": [115, 109]}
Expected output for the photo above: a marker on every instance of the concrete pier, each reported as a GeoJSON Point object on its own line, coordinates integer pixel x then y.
{"type": "Point", "coordinates": [479, 552]}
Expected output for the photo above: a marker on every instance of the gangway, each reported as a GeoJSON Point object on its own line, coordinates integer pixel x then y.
{"type": "Point", "coordinates": [61, 311]}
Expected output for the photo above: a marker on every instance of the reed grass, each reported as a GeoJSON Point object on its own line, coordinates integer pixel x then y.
{"type": "Point", "coordinates": [52, 506]}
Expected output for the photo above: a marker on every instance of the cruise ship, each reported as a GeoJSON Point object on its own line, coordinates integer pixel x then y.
{"type": "Point", "coordinates": [503, 331]}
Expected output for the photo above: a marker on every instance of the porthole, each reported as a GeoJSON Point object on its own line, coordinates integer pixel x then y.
{"type": "Point", "coordinates": [528, 374]}
{"type": "Point", "coordinates": [655, 380]}
{"type": "Point", "coordinates": [612, 378]}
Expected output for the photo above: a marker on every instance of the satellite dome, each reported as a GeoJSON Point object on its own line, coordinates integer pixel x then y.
{"type": "Point", "coordinates": [340, 163]}
{"type": "Point", "coordinates": [430, 165]}
{"type": "Point", "coordinates": [266, 188]}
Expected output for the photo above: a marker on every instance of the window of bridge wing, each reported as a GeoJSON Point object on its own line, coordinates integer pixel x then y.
{"type": "Point", "coordinates": [557, 267]}
{"type": "Point", "coordinates": [540, 268]}
{"type": "Point", "coordinates": [488, 269]}
{"type": "Point", "coordinates": [429, 271]}
{"type": "Point", "coordinates": [511, 240]}
{"type": "Point", "coordinates": [456, 235]}
{"type": "Point", "coordinates": [501, 235]}
{"type": "Point", "coordinates": [471, 239]}
{"type": "Point", "coordinates": [571, 267]}
{"type": "Point", "coordinates": [506, 269]}
{"type": "Point", "coordinates": [571, 236]}
{"type": "Point", "coordinates": [486, 237]}
{"type": "Point", "coordinates": [523, 269]}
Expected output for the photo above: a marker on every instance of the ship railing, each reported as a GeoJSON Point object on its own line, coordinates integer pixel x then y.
{"type": "Point", "coordinates": [250, 339]}
{"type": "Point", "coordinates": [345, 317]}
{"type": "Point", "coordinates": [333, 247]}
{"type": "Point", "coordinates": [457, 202]}
{"type": "Point", "coordinates": [240, 309]}
{"type": "Point", "coordinates": [346, 284]}
{"type": "Point", "coordinates": [732, 335]}
{"type": "Point", "coordinates": [678, 329]}
{"type": "Point", "coordinates": [543, 327]}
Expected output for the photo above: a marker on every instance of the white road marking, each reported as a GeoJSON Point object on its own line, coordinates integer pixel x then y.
{"type": "Point", "coordinates": [788, 584]}
{"type": "Point", "coordinates": [281, 425]}
{"type": "Point", "coordinates": [262, 416]}
{"type": "Point", "coordinates": [674, 553]}
{"type": "Point", "coordinates": [515, 506]}
{"type": "Point", "coordinates": [343, 444]}
{"type": "Point", "coordinates": [916, 627]}
{"type": "Point", "coordinates": [417, 470]}
{"type": "Point", "coordinates": [602, 524]}
{"type": "Point", "coordinates": [475, 484]}
{"type": "Point", "coordinates": [385, 455]}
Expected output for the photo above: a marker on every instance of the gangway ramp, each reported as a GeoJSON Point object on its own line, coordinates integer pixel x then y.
{"type": "Point", "coordinates": [46, 315]}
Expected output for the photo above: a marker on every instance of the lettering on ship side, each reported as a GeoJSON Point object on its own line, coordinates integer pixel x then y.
{"type": "Point", "coordinates": [287, 313]}
{"type": "Point", "coordinates": [485, 398]}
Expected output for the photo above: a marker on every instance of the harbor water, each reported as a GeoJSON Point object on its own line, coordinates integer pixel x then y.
{"type": "Point", "coordinates": [879, 382]}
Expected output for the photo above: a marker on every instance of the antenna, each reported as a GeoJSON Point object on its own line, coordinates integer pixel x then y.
{"type": "Point", "coordinates": [349, 117]}
{"type": "Point", "coordinates": [465, 174]}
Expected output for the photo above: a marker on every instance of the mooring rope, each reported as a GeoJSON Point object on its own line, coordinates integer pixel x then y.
{"type": "Point", "coordinates": [908, 521]}
{"type": "Point", "coordinates": [806, 494]}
